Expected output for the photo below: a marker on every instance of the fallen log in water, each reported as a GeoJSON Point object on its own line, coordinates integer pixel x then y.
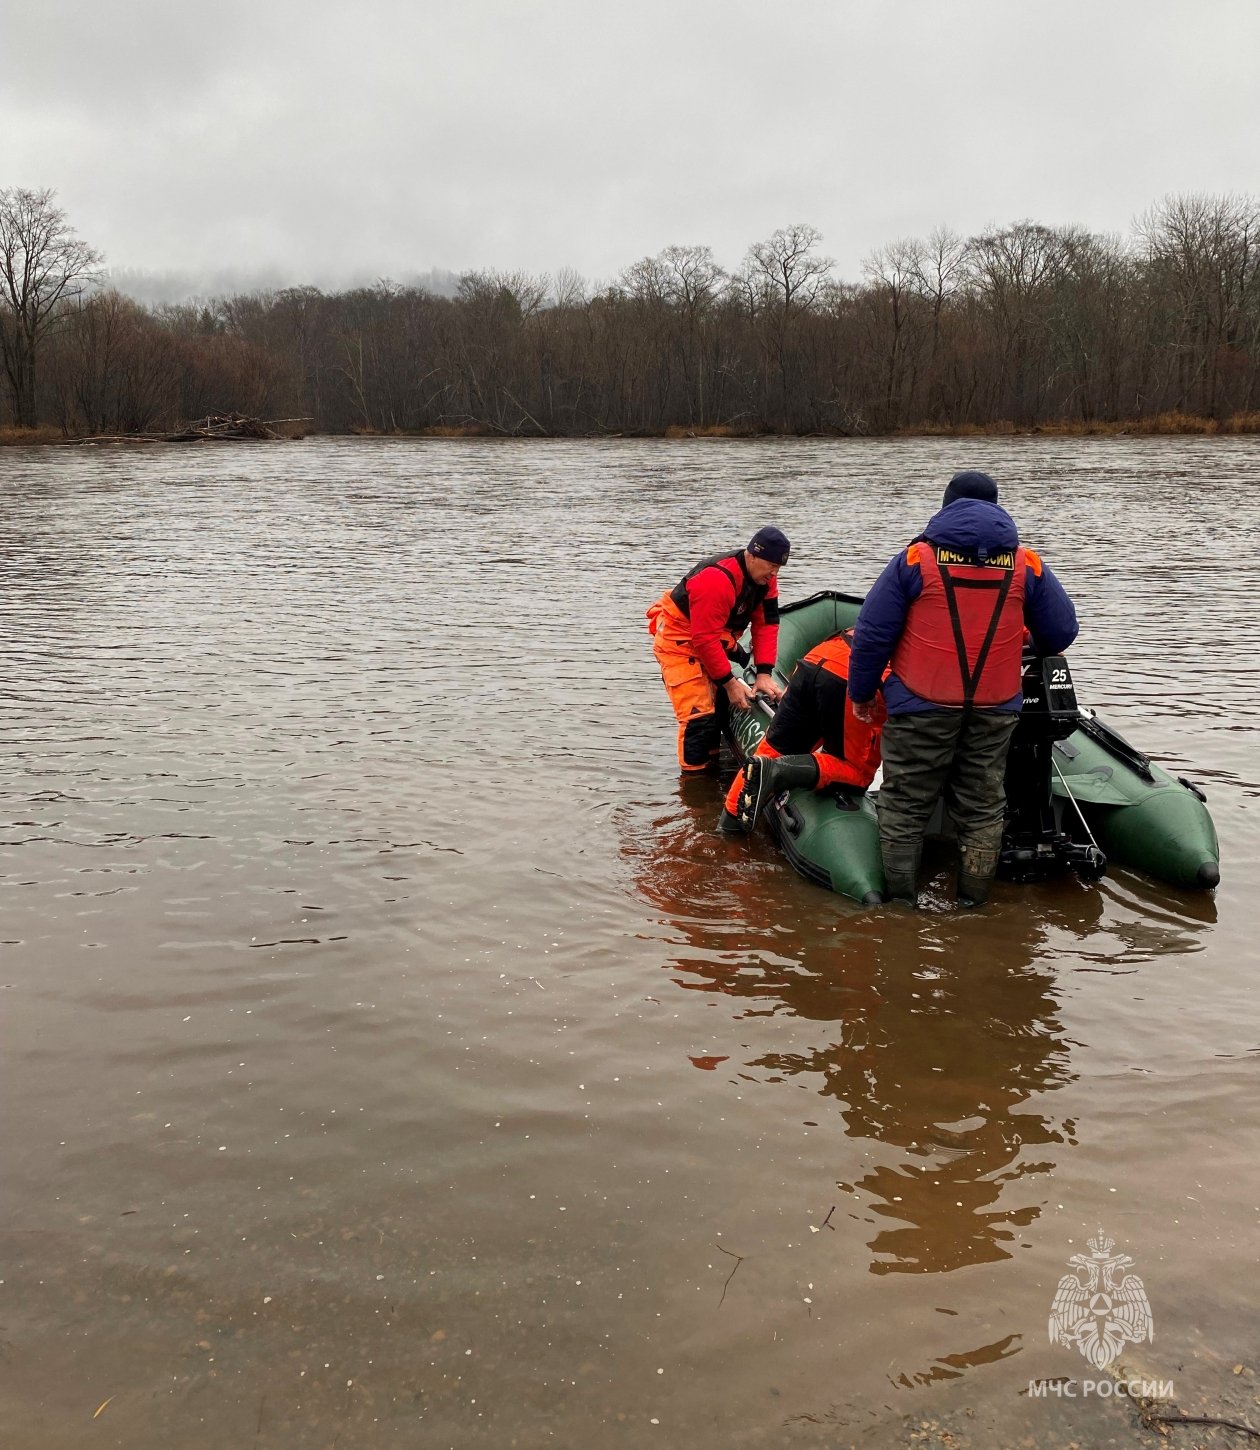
{"type": "Point", "coordinates": [216, 428]}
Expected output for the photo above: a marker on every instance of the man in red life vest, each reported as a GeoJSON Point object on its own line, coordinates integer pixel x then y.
{"type": "Point", "coordinates": [696, 628]}
{"type": "Point", "coordinates": [947, 617]}
{"type": "Point", "coordinates": [815, 740]}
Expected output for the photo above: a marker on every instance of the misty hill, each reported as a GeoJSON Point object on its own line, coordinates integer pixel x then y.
{"type": "Point", "coordinates": [155, 289]}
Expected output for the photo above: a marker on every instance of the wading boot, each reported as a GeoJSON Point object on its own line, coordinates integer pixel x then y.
{"type": "Point", "coordinates": [976, 870]}
{"type": "Point", "coordinates": [730, 825]}
{"type": "Point", "coordinates": [901, 875]}
{"type": "Point", "coordinates": [767, 776]}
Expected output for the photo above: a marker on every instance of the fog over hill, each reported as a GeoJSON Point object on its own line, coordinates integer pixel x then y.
{"type": "Point", "coordinates": [155, 289]}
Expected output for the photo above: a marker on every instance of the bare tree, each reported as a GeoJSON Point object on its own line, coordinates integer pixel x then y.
{"type": "Point", "coordinates": [782, 278]}
{"type": "Point", "coordinates": [693, 279]}
{"type": "Point", "coordinates": [892, 275]}
{"type": "Point", "coordinates": [1204, 254]}
{"type": "Point", "coordinates": [941, 265]}
{"type": "Point", "coordinates": [568, 288]}
{"type": "Point", "coordinates": [940, 262]}
{"type": "Point", "coordinates": [1014, 273]}
{"type": "Point", "coordinates": [693, 284]}
{"type": "Point", "coordinates": [671, 298]}
{"type": "Point", "coordinates": [114, 364]}
{"type": "Point", "coordinates": [42, 264]}
{"type": "Point", "coordinates": [498, 315]}
{"type": "Point", "coordinates": [514, 295]}
{"type": "Point", "coordinates": [787, 266]}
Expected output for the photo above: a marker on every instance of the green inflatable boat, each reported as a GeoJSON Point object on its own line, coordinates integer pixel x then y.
{"type": "Point", "coordinates": [1078, 794]}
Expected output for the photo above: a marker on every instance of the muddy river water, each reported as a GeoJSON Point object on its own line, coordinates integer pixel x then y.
{"type": "Point", "coordinates": [393, 1054]}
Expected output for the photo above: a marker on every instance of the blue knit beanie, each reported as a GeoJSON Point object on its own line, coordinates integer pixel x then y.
{"type": "Point", "coordinates": [770, 543]}
{"type": "Point", "coordinates": [970, 485]}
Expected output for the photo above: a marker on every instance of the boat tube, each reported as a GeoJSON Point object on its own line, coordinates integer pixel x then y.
{"type": "Point", "coordinates": [1078, 794]}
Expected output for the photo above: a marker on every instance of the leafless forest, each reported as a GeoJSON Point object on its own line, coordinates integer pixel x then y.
{"type": "Point", "coordinates": [1023, 325]}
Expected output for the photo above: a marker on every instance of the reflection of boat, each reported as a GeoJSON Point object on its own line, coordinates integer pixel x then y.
{"type": "Point", "coordinates": [937, 1062]}
{"type": "Point", "coordinates": [1078, 793]}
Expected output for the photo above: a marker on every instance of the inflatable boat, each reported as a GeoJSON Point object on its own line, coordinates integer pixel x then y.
{"type": "Point", "coordinates": [1078, 794]}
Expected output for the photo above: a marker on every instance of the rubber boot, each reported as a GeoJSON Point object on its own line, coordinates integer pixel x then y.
{"type": "Point", "coordinates": [901, 875]}
{"type": "Point", "coordinates": [976, 870]}
{"type": "Point", "coordinates": [768, 775]}
{"type": "Point", "coordinates": [730, 825]}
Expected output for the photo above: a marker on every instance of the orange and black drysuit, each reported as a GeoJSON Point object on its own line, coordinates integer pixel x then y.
{"type": "Point", "coordinates": [815, 718]}
{"type": "Point", "coordinates": [696, 628]}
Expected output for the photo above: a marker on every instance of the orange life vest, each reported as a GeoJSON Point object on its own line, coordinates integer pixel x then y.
{"type": "Point", "coordinates": [832, 654]}
{"type": "Point", "coordinates": [963, 638]}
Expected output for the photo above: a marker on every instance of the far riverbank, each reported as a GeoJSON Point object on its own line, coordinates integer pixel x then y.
{"type": "Point", "coordinates": [1161, 425]}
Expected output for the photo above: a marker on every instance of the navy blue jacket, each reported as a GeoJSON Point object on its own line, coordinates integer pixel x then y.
{"type": "Point", "coordinates": [981, 529]}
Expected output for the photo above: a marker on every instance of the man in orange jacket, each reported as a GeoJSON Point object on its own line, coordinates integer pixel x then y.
{"type": "Point", "coordinates": [815, 740]}
{"type": "Point", "coordinates": [696, 627]}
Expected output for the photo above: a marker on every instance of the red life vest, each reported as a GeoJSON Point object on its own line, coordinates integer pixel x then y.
{"type": "Point", "coordinates": [963, 639]}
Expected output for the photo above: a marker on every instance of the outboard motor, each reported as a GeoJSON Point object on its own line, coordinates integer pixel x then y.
{"type": "Point", "coordinates": [1033, 845]}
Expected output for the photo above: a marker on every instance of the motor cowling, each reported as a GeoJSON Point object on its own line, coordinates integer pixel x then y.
{"type": "Point", "coordinates": [1050, 710]}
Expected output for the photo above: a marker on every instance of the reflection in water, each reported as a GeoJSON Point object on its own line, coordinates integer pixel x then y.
{"type": "Point", "coordinates": [944, 1063]}
{"type": "Point", "coordinates": [954, 1366]}
{"type": "Point", "coordinates": [940, 1030]}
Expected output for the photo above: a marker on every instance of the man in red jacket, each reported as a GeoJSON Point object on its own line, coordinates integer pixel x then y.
{"type": "Point", "coordinates": [696, 628]}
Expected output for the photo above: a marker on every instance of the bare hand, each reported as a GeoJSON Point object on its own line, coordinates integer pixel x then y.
{"type": "Point", "coordinates": [767, 686]}
{"type": "Point", "coordinates": [738, 693]}
{"type": "Point", "coordinates": [870, 712]}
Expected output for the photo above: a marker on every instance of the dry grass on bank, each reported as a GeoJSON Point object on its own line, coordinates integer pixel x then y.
{"type": "Point", "coordinates": [13, 436]}
{"type": "Point", "coordinates": [456, 430]}
{"type": "Point", "coordinates": [1184, 423]}
{"type": "Point", "coordinates": [714, 430]}
{"type": "Point", "coordinates": [1161, 425]}
{"type": "Point", "coordinates": [438, 430]}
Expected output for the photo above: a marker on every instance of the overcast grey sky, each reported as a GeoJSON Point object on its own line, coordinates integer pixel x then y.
{"type": "Point", "coordinates": [382, 138]}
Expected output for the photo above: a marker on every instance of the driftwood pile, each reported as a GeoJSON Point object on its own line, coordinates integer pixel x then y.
{"type": "Point", "coordinates": [223, 426]}
{"type": "Point", "coordinates": [218, 427]}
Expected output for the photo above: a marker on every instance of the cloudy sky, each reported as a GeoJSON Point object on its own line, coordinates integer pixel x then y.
{"type": "Point", "coordinates": [326, 140]}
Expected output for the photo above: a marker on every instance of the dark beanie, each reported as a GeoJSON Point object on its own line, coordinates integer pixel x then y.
{"type": "Point", "coordinates": [770, 543]}
{"type": "Point", "coordinates": [970, 485]}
